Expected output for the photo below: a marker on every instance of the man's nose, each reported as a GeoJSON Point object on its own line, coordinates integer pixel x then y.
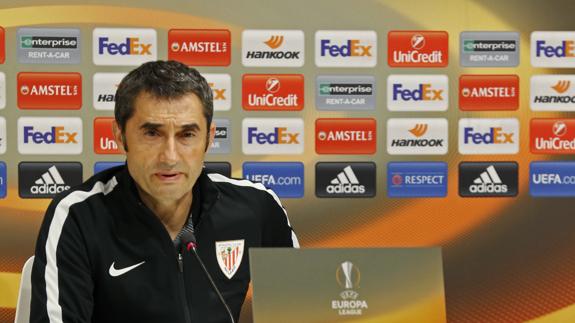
{"type": "Point", "coordinates": [169, 154]}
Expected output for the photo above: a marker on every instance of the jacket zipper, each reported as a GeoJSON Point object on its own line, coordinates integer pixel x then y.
{"type": "Point", "coordinates": [182, 288]}
{"type": "Point", "coordinates": [180, 260]}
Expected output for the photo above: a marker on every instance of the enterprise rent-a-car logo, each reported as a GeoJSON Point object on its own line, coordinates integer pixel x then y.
{"type": "Point", "coordinates": [124, 46]}
{"type": "Point", "coordinates": [345, 92]}
{"type": "Point", "coordinates": [489, 48]}
{"type": "Point", "coordinates": [49, 46]}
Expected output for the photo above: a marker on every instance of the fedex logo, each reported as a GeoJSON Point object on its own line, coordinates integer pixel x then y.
{"type": "Point", "coordinates": [345, 48]}
{"type": "Point", "coordinates": [495, 135]}
{"type": "Point", "coordinates": [221, 85]}
{"type": "Point", "coordinates": [130, 46]}
{"type": "Point", "coordinates": [424, 92]}
{"type": "Point", "coordinates": [553, 49]}
{"type": "Point", "coordinates": [279, 136]}
{"type": "Point", "coordinates": [488, 136]}
{"type": "Point", "coordinates": [272, 136]}
{"type": "Point", "coordinates": [417, 92]}
{"type": "Point", "coordinates": [565, 49]}
{"type": "Point", "coordinates": [43, 136]}
{"type": "Point", "coordinates": [352, 47]}
{"type": "Point", "coordinates": [56, 135]}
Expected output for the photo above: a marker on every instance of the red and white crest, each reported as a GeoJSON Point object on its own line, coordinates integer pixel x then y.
{"type": "Point", "coordinates": [229, 255]}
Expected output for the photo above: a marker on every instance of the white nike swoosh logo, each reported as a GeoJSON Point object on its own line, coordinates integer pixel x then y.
{"type": "Point", "coordinates": [118, 272]}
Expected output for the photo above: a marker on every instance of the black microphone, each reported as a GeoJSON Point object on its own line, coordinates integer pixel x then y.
{"type": "Point", "coordinates": [189, 241]}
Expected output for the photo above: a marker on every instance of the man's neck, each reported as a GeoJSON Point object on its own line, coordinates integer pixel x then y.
{"type": "Point", "coordinates": [173, 213]}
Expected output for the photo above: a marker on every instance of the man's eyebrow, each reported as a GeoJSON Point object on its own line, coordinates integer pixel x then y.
{"type": "Point", "coordinates": [150, 126]}
{"type": "Point", "coordinates": [190, 127]}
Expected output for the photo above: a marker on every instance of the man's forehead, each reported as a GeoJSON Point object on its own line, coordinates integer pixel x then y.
{"type": "Point", "coordinates": [180, 111]}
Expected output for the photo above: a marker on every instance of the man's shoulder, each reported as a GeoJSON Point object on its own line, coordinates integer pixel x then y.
{"type": "Point", "coordinates": [243, 187]}
{"type": "Point", "coordinates": [102, 182]}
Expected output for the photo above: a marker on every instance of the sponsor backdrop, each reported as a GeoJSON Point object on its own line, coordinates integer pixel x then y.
{"type": "Point", "coordinates": [379, 124]}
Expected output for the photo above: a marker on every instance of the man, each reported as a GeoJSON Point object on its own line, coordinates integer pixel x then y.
{"type": "Point", "coordinates": [110, 250]}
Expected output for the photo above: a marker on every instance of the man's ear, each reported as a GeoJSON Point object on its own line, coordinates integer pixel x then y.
{"type": "Point", "coordinates": [211, 136]}
{"type": "Point", "coordinates": [119, 137]}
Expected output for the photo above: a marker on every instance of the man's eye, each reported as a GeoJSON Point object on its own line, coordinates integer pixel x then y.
{"type": "Point", "coordinates": [151, 133]}
{"type": "Point", "coordinates": [188, 134]}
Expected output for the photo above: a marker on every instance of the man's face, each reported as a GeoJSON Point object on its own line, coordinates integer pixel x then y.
{"type": "Point", "coordinates": [166, 141]}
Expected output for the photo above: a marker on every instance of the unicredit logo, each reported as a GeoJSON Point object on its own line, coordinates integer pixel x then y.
{"type": "Point", "coordinates": [553, 136]}
{"type": "Point", "coordinates": [417, 48]}
{"type": "Point", "coordinates": [272, 92]}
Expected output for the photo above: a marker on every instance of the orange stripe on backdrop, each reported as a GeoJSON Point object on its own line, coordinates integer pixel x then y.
{"type": "Point", "coordinates": [429, 222]}
{"type": "Point", "coordinates": [78, 14]}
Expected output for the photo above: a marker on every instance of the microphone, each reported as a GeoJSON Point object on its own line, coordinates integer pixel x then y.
{"type": "Point", "coordinates": [189, 241]}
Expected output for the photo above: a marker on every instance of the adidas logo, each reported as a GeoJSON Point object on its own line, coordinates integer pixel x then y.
{"type": "Point", "coordinates": [51, 182]}
{"type": "Point", "coordinates": [345, 182]}
{"type": "Point", "coordinates": [488, 182]}
{"type": "Point", "coordinates": [274, 41]}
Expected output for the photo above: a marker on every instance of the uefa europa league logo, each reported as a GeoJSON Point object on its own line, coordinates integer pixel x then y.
{"type": "Point", "coordinates": [348, 275]}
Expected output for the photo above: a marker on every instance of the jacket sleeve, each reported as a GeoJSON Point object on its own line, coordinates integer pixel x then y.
{"type": "Point", "coordinates": [277, 230]}
{"type": "Point", "coordinates": [62, 284]}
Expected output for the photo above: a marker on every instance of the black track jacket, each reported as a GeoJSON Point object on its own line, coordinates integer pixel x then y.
{"type": "Point", "coordinates": [103, 256]}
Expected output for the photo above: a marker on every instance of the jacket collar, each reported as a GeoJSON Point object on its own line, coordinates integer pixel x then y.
{"type": "Point", "coordinates": [204, 187]}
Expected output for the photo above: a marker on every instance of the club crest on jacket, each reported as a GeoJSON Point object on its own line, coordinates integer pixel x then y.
{"type": "Point", "coordinates": [229, 254]}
